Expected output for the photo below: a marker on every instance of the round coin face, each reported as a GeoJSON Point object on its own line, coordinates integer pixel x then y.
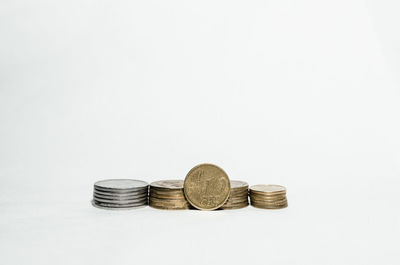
{"type": "Point", "coordinates": [207, 187]}
{"type": "Point", "coordinates": [168, 184]}
{"type": "Point", "coordinates": [120, 184]}
{"type": "Point", "coordinates": [268, 188]}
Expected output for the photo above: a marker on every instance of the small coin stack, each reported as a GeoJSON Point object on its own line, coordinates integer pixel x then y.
{"type": "Point", "coordinates": [168, 195]}
{"type": "Point", "coordinates": [268, 196]}
{"type": "Point", "coordinates": [238, 197]}
{"type": "Point", "coordinates": [120, 194]}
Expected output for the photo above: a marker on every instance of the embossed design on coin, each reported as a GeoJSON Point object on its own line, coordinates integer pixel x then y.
{"type": "Point", "coordinates": [207, 187]}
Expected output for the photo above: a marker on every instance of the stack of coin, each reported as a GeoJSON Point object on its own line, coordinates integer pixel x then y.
{"type": "Point", "coordinates": [238, 197]}
{"type": "Point", "coordinates": [168, 195]}
{"type": "Point", "coordinates": [268, 196]}
{"type": "Point", "coordinates": [120, 194]}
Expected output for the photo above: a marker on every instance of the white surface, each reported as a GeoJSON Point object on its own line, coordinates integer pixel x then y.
{"type": "Point", "coordinates": [299, 93]}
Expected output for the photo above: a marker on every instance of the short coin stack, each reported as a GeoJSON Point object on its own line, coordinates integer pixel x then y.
{"type": "Point", "coordinates": [168, 195]}
{"type": "Point", "coordinates": [238, 197]}
{"type": "Point", "coordinates": [120, 194]}
{"type": "Point", "coordinates": [268, 196]}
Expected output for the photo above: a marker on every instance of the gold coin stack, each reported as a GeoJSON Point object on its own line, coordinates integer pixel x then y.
{"type": "Point", "coordinates": [238, 197]}
{"type": "Point", "coordinates": [268, 196]}
{"type": "Point", "coordinates": [168, 195]}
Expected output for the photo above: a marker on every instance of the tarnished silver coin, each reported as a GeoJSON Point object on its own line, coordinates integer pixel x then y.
{"type": "Point", "coordinates": [120, 200]}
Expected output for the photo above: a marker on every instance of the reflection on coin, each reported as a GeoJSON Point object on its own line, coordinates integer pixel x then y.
{"type": "Point", "coordinates": [207, 187]}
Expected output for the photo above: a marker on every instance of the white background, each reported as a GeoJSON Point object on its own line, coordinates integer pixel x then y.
{"type": "Point", "coordinates": [299, 93]}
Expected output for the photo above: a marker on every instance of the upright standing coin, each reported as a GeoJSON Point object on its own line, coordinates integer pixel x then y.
{"type": "Point", "coordinates": [207, 187]}
{"type": "Point", "coordinates": [120, 194]}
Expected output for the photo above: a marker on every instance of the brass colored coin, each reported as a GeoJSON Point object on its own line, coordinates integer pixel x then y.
{"type": "Point", "coordinates": [237, 199]}
{"type": "Point", "coordinates": [238, 194]}
{"type": "Point", "coordinates": [169, 207]}
{"type": "Point", "coordinates": [267, 195]}
{"type": "Point", "coordinates": [168, 200]}
{"type": "Point", "coordinates": [268, 188]}
{"type": "Point", "coordinates": [164, 193]}
{"type": "Point", "coordinates": [167, 197]}
{"type": "Point", "coordinates": [234, 207]}
{"type": "Point", "coordinates": [269, 206]}
{"type": "Point", "coordinates": [168, 184]}
{"type": "Point", "coordinates": [207, 187]}
{"type": "Point", "coordinates": [251, 193]}
{"type": "Point", "coordinates": [237, 184]}
{"type": "Point", "coordinates": [269, 203]}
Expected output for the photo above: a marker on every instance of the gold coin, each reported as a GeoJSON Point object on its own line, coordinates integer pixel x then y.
{"type": "Point", "coordinates": [207, 187]}
{"type": "Point", "coordinates": [275, 196]}
{"type": "Point", "coordinates": [269, 202]}
{"type": "Point", "coordinates": [262, 206]}
{"type": "Point", "coordinates": [173, 184]}
{"type": "Point", "coordinates": [238, 184]}
{"type": "Point", "coordinates": [268, 188]}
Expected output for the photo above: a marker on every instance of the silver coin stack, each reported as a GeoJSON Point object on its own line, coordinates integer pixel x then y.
{"type": "Point", "coordinates": [120, 194]}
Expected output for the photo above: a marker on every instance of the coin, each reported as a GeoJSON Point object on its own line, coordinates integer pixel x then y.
{"type": "Point", "coordinates": [268, 188]}
{"type": "Point", "coordinates": [168, 184]}
{"type": "Point", "coordinates": [120, 193]}
{"type": "Point", "coordinates": [106, 206]}
{"type": "Point", "coordinates": [120, 185]}
{"type": "Point", "coordinates": [268, 196]}
{"type": "Point", "coordinates": [140, 200]}
{"type": "Point", "coordinates": [167, 195]}
{"type": "Point", "coordinates": [207, 187]}
{"type": "Point", "coordinates": [117, 197]}
{"type": "Point", "coordinates": [238, 197]}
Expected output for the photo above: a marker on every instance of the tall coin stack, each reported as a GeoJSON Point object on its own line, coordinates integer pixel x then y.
{"type": "Point", "coordinates": [268, 196]}
{"type": "Point", "coordinates": [238, 197]}
{"type": "Point", "coordinates": [168, 195]}
{"type": "Point", "coordinates": [120, 194]}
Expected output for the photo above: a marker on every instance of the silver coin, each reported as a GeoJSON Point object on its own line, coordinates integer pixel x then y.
{"type": "Point", "coordinates": [113, 197]}
{"type": "Point", "coordinates": [112, 204]}
{"type": "Point", "coordinates": [118, 194]}
{"type": "Point", "coordinates": [122, 192]}
{"type": "Point", "coordinates": [101, 206]}
{"type": "Point", "coordinates": [120, 185]}
{"type": "Point", "coordinates": [120, 202]}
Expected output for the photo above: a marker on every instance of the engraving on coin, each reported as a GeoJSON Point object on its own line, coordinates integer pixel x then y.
{"type": "Point", "coordinates": [207, 187]}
